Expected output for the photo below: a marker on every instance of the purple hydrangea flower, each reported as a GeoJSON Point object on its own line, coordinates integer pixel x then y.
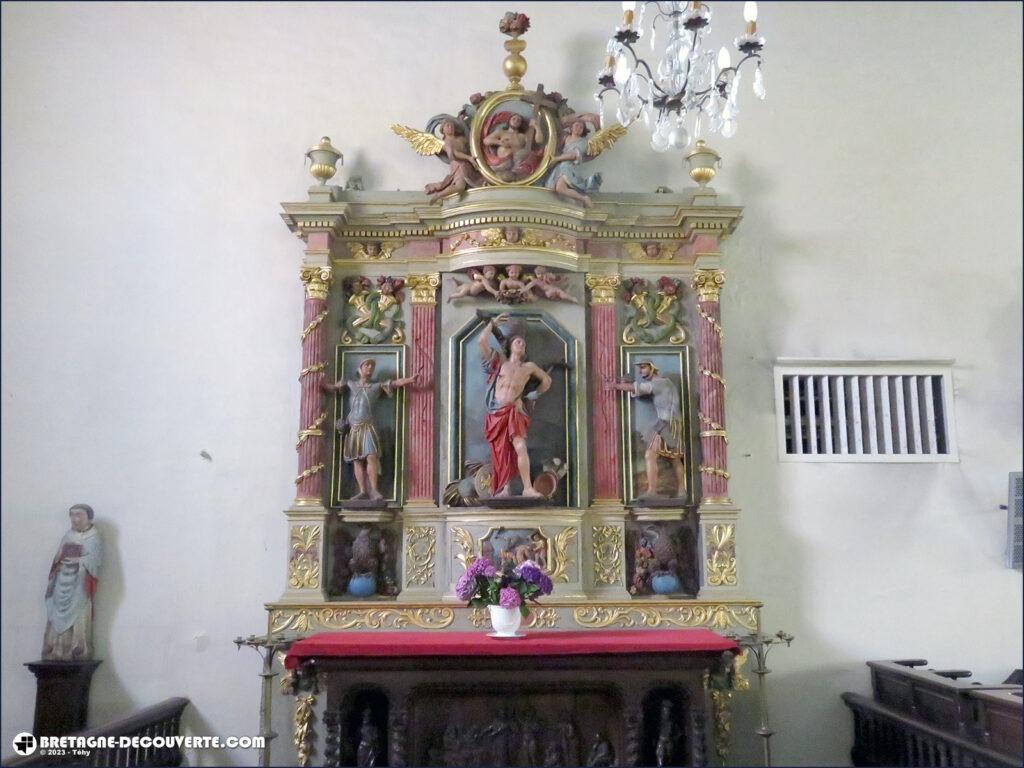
{"type": "Point", "coordinates": [509, 598]}
{"type": "Point", "coordinates": [531, 574]}
{"type": "Point", "coordinates": [465, 586]}
{"type": "Point", "coordinates": [481, 567]}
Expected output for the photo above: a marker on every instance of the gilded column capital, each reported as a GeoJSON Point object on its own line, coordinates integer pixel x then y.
{"type": "Point", "coordinates": [317, 281]}
{"type": "Point", "coordinates": [424, 287]}
{"type": "Point", "coordinates": [602, 288]}
{"type": "Point", "coordinates": [708, 283]}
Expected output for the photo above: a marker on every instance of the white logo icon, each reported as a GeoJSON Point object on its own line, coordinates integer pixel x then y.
{"type": "Point", "coordinates": [24, 744]}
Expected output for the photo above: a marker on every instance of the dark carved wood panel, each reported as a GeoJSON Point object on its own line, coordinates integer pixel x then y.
{"type": "Point", "coordinates": [517, 711]}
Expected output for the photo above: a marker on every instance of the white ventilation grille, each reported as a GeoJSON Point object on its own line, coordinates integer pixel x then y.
{"type": "Point", "coordinates": [864, 411]}
{"type": "Point", "coordinates": [1015, 522]}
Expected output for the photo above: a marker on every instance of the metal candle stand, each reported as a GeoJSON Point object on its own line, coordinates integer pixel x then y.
{"type": "Point", "coordinates": [759, 646]}
{"type": "Point", "coordinates": [267, 646]}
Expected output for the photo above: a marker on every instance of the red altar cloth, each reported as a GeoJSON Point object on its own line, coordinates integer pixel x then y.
{"type": "Point", "coordinates": [413, 644]}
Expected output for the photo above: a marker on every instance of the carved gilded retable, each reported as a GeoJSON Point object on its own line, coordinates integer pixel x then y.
{"type": "Point", "coordinates": [348, 235]}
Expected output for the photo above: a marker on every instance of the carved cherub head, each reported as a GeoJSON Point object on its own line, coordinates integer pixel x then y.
{"type": "Point", "coordinates": [514, 271]}
{"type": "Point", "coordinates": [490, 271]}
{"type": "Point", "coordinates": [451, 127]}
{"type": "Point", "coordinates": [371, 250]}
{"type": "Point", "coordinates": [512, 234]}
{"type": "Point", "coordinates": [652, 249]}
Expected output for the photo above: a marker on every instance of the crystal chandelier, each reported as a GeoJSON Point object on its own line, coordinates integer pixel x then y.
{"type": "Point", "coordinates": [690, 85]}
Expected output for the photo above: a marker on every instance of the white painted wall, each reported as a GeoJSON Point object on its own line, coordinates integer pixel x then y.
{"type": "Point", "coordinates": [151, 310]}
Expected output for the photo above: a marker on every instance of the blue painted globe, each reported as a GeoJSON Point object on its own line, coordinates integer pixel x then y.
{"type": "Point", "coordinates": [665, 583]}
{"type": "Point", "coordinates": [362, 585]}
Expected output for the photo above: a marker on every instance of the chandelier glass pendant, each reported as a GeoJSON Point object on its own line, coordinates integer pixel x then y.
{"type": "Point", "coordinates": [690, 85]}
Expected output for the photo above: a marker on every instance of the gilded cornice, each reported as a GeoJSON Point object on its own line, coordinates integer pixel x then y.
{"type": "Point", "coordinates": [624, 216]}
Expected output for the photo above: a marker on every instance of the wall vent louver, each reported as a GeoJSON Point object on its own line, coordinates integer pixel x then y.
{"type": "Point", "coordinates": [864, 411]}
{"type": "Point", "coordinates": [1015, 522]}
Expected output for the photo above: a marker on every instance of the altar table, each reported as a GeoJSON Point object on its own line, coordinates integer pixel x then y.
{"type": "Point", "coordinates": [612, 697]}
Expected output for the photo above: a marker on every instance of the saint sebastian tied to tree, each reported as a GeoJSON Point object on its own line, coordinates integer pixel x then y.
{"type": "Point", "coordinates": [508, 374]}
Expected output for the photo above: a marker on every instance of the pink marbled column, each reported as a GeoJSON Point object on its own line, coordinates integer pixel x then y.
{"type": "Point", "coordinates": [312, 413]}
{"type": "Point", "coordinates": [604, 423]}
{"type": "Point", "coordinates": [711, 388]}
{"type": "Point", "coordinates": [422, 429]}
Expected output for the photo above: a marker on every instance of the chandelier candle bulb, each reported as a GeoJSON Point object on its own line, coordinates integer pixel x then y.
{"type": "Point", "coordinates": [750, 16]}
{"type": "Point", "coordinates": [724, 60]}
{"type": "Point", "coordinates": [628, 12]}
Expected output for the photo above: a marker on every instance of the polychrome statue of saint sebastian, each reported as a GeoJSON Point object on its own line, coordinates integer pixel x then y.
{"type": "Point", "coordinates": [509, 376]}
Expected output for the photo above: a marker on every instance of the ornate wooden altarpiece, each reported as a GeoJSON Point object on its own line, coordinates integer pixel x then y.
{"type": "Point", "coordinates": [597, 283]}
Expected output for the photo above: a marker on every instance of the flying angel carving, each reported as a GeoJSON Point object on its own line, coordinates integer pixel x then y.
{"type": "Point", "coordinates": [452, 146]}
{"type": "Point", "coordinates": [577, 147]}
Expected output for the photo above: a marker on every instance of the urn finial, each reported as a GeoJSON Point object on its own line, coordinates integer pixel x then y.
{"type": "Point", "coordinates": [703, 161]}
{"type": "Point", "coordinates": [323, 159]}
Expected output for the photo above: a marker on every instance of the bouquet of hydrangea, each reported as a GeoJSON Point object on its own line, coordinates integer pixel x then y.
{"type": "Point", "coordinates": [510, 587]}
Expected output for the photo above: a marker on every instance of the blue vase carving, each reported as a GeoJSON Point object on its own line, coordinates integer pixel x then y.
{"type": "Point", "coordinates": [362, 585]}
{"type": "Point", "coordinates": [664, 583]}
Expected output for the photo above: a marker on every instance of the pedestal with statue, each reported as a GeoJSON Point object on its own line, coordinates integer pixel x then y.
{"type": "Point", "coordinates": [518, 366]}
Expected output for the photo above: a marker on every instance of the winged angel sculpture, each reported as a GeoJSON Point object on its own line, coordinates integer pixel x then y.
{"type": "Point", "coordinates": [447, 138]}
{"type": "Point", "coordinates": [580, 138]}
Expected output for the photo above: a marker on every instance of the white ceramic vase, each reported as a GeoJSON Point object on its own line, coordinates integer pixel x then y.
{"type": "Point", "coordinates": [505, 620]}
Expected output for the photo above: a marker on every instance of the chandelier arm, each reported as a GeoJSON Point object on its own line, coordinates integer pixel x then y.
{"type": "Point", "coordinates": [720, 82]}
{"type": "Point", "coordinates": [637, 61]}
{"type": "Point", "coordinates": [662, 14]}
